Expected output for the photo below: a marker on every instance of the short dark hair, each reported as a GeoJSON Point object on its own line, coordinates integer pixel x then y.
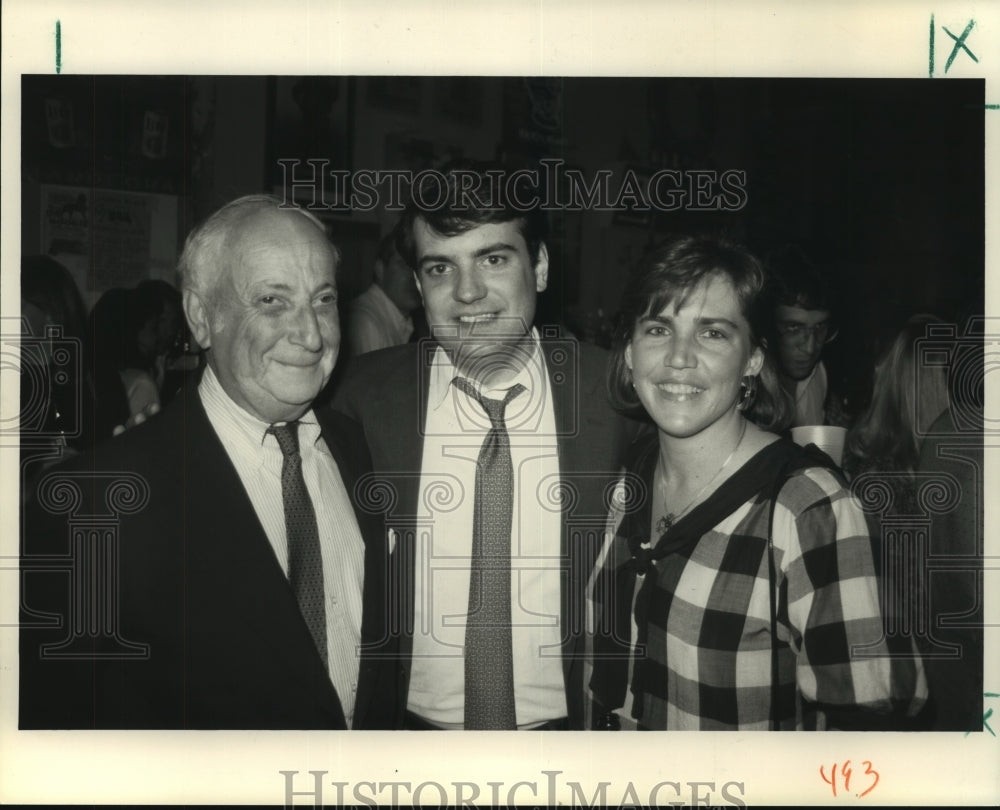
{"type": "Point", "coordinates": [795, 280]}
{"type": "Point", "coordinates": [670, 272]}
{"type": "Point", "coordinates": [497, 195]}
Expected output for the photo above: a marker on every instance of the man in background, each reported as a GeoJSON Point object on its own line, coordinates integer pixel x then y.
{"type": "Point", "coordinates": [803, 322]}
{"type": "Point", "coordinates": [381, 316]}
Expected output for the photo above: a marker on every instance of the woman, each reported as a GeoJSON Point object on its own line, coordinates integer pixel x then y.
{"type": "Point", "coordinates": [124, 329]}
{"type": "Point", "coordinates": [56, 394]}
{"type": "Point", "coordinates": [171, 335]}
{"type": "Point", "coordinates": [688, 632]}
{"type": "Point", "coordinates": [906, 440]}
{"type": "Point", "coordinates": [888, 435]}
{"type": "Point", "coordinates": [58, 413]}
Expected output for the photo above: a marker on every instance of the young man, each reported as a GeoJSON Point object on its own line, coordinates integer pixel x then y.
{"type": "Point", "coordinates": [498, 446]}
{"type": "Point", "coordinates": [802, 311]}
{"type": "Point", "coordinates": [381, 316]}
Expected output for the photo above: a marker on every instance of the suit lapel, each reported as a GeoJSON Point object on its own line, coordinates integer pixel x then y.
{"type": "Point", "coordinates": [239, 565]}
{"type": "Point", "coordinates": [410, 397]}
{"type": "Point", "coordinates": [410, 415]}
{"type": "Point", "coordinates": [564, 404]}
{"type": "Point", "coordinates": [375, 575]}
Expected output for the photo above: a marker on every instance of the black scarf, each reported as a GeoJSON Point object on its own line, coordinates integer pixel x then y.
{"type": "Point", "coordinates": [765, 472]}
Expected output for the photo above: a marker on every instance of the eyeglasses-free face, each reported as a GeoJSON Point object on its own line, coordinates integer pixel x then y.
{"type": "Point", "coordinates": [688, 360]}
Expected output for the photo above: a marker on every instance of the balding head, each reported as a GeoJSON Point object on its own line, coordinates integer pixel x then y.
{"type": "Point", "coordinates": [207, 246]}
{"type": "Point", "coordinates": [260, 295]}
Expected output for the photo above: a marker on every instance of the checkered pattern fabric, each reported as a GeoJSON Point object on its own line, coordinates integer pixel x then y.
{"type": "Point", "coordinates": [707, 658]}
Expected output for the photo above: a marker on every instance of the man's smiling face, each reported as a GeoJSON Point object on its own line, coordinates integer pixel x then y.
{"type": "Point", "coordinates": [270, 320]}
{"type": "Point", "coordinates": [479, 289]}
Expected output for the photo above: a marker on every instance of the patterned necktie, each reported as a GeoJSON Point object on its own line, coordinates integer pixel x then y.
{"type": "Point", "coordinates": [489, 656]}
{"type": "Point", "coordinates": [305, 563]}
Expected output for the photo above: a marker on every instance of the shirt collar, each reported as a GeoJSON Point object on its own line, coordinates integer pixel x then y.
{"type": "Point", "coordinates": [443, 372]}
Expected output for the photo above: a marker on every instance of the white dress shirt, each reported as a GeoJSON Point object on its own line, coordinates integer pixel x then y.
{"type": "Point", "coordinates": [455, 429]}
{"type": "Point", "coordinates": [257, 458]}
{"type": "Point", "coordinates": [374, 322]}
{"type": "Point", "coordinates": [810, 398]}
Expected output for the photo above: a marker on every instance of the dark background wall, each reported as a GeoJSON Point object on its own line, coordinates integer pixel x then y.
{"type": "Point", "coordinates": [880, 180]}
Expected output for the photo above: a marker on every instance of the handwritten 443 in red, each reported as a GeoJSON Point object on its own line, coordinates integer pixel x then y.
{"type": "Point", "coordinates": [841, 777]}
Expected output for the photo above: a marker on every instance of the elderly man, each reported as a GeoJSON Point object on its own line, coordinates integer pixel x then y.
{"type": "Point", "coordinates": [236, 583]}
{"type": "Point", "coordinates": [497, 446]}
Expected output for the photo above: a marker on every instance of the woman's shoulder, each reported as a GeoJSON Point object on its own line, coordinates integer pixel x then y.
{"type": "Point", "coordinates": [804, 476]}
{"type": "Point", "coordinates": [812, 484]}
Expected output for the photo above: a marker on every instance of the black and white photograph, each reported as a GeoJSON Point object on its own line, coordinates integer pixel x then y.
{"type": "Point", "coordinates": [344, 401]}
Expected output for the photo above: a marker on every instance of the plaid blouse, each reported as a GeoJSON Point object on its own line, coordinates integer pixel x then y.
{"type": "Point", "coordinates": [699, 640]}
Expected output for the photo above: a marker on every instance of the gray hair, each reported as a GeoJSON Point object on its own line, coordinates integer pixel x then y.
{"type": "Point", "coordinates": [203, 251]}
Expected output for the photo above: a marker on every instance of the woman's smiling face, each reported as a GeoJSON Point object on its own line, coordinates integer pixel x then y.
{"type": "Point", "coordinates": [687, 360]}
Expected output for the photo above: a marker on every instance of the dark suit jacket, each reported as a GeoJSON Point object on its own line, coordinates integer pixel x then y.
{"type": "Point", "coordinates": [387, 392]}
{"type": "Point", "coordinates": [206, 632]}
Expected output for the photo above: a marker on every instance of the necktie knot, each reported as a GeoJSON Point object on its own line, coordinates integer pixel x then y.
{"type": "Point", "coordinates": [494, 408]}
{"type": "Point", "coordinates": [287, 436]}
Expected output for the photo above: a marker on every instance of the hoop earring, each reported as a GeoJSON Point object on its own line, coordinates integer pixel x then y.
{"type": "Point", "coordinates": [748, 392]}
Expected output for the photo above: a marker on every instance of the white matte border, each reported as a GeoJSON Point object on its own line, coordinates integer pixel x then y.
{"type": "Point", "coordinates": [828, 39]}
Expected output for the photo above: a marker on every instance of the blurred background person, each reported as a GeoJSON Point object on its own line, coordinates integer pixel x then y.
{"type": "Point", "coordinates": [123, 328]}
{"type": "Point", "coordinates": [174, 351]}
{"type": "Point", "coordinates": [64, 411]}
{"type": "Point", "coordinates": [953, 447]}
{"type": "Point", "coordinates": [382, 315]}
{"type": "Point", "coordinates": [739, 559]}
{"type": "Point", "coordinates": [906, 399]}
{"type": "Point", "coordinates": [908, 438]}
{"type": "Point", "coordinates": [803, 321]}
{"type": "Point", "coordinates": [883, 447]}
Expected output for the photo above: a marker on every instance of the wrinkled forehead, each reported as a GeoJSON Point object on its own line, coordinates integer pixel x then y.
{"type": "Point", "coordinates": [279, 243]}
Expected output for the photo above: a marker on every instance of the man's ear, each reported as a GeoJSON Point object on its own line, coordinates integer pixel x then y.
{"type": "Point", "coordinates": [196, 312]}
{"type": "Point", "coordinates": [542, 269]}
